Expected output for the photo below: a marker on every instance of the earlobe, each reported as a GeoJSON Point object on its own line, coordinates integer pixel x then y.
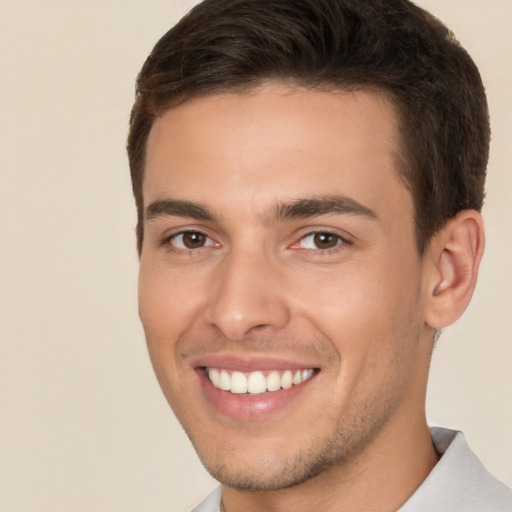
{"type": "Point", "coordinates": [454, 257]}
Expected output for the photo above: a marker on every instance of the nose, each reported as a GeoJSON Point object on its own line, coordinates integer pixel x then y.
{"type": "Point", "coordinates": [248, 294]}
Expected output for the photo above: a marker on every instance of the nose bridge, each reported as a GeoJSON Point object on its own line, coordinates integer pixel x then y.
{"type": "Point", "coordinates": [247, 294]}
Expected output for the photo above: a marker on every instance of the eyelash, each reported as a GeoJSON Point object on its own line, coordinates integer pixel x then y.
{"type": "Point", "coordinates": [167, 242]}
{"type": "Point", "coordinates": [341, 242]}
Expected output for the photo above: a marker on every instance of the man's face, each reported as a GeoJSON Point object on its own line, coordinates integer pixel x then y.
{"type": "Point", "coordinates": [280, 256]}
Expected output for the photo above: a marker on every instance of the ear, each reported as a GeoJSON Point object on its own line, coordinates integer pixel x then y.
{"type": "Point", "coordinates": [453, 259]}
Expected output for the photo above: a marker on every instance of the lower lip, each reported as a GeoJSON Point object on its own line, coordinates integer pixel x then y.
{"type": "Point", "coordinates": [248, 407]}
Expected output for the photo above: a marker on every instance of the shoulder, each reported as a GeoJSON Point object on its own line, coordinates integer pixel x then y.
{"type": "Point", "coordinates": [459, 482]}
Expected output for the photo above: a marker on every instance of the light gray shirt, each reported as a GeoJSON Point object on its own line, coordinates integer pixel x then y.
{"type": "Point", "coordinates": [458, 483]}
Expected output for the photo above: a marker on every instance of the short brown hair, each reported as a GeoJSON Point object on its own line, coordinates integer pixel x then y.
{"type": "Point", "coordinates": [388, 45]}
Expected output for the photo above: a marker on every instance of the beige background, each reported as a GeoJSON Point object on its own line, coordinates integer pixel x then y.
{"type": "Point", "coordinates": [83, 425]}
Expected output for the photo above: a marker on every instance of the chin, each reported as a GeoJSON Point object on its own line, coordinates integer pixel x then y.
{"type": "Point", "coordinates": [259, 471]}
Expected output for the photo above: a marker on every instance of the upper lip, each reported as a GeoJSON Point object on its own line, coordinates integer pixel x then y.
{"type": "Point", "coordinates": [247, 363]}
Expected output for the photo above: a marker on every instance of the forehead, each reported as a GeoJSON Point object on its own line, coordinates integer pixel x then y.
{"type": "Point", "coordinates": [272, 142]}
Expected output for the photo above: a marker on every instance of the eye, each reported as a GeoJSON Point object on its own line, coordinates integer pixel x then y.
{"type": "Point", "coordinates": [190, 240]}
{"type": "Point", "coordinates": [321, 240]}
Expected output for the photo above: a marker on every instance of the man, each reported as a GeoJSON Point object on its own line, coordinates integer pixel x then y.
{"type": "Point", "coordinates": [308, 177]}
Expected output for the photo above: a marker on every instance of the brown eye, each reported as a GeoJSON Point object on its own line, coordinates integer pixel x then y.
{"type": "Point", "coordinates": [190, 240]}
{"type": "Point", "coordinates": [322, 240]}
{"type": "Point", "coordinates": [325, 240]}
{"type": "Point", "coordinates": [193, 240]}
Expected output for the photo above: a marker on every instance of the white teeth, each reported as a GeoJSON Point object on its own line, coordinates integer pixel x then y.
{"type": "Point", "coordinates": [238, 383]}
{"type": "Point", "coordinates": [214, 376]}
{"type": "Point", "coordinates": [287, 380]}
{"type": "Point", "coordinates": [273, 381]}
{"type": "Point", "coordinates": [306, 374]}
{"type": "Point", "coordinates": [225, 381]}
{"type": "Point", "coordinates": [256, 382]}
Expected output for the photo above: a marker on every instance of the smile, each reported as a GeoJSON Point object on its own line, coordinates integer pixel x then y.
{"type": "Point", "coordinates": [258, 382]}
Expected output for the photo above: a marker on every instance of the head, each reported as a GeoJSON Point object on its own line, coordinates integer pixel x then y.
{"type": "Point", "coordinates": [390, 46]}
{"type": "Point", "coordinates": [307, 176]}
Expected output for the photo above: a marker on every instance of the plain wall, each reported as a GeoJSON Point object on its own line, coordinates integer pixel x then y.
{"type": "Point", "coordinates": [83, 425]}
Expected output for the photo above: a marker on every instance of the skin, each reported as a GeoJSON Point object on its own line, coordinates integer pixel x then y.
{"type": "Point", "coordinates": [360, 310]}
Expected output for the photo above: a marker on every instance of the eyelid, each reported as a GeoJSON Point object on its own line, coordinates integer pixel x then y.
{"type": "Point", "coordinates": [167, 239]}
{"type": "Point", "coordinates": [208, 241]}
{"type": "Point", "coordinates": [343, 240]}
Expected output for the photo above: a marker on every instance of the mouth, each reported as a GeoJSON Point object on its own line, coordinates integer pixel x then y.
{"type": "Point", "coordinates": [248, 389]}
{"type": "Point", "coordinates": [257, 382]}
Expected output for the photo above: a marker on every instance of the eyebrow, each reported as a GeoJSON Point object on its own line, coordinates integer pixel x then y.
{"type": "Point", "coordinates": [177, 208]}
{"type": "Point", "coordinates": [295, 209]}
{"type": "Point", "coordinates": [324, 205]}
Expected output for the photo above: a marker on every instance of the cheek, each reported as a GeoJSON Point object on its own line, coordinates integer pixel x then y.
{"type": "Point", "coordinates": [363, 308]}
{"type": "Point", "coordinates": [166, 300]}
{"type": "Point", "coordinates": [163, 313]}
{"type": "Point", "coordinates": [165, 309]}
